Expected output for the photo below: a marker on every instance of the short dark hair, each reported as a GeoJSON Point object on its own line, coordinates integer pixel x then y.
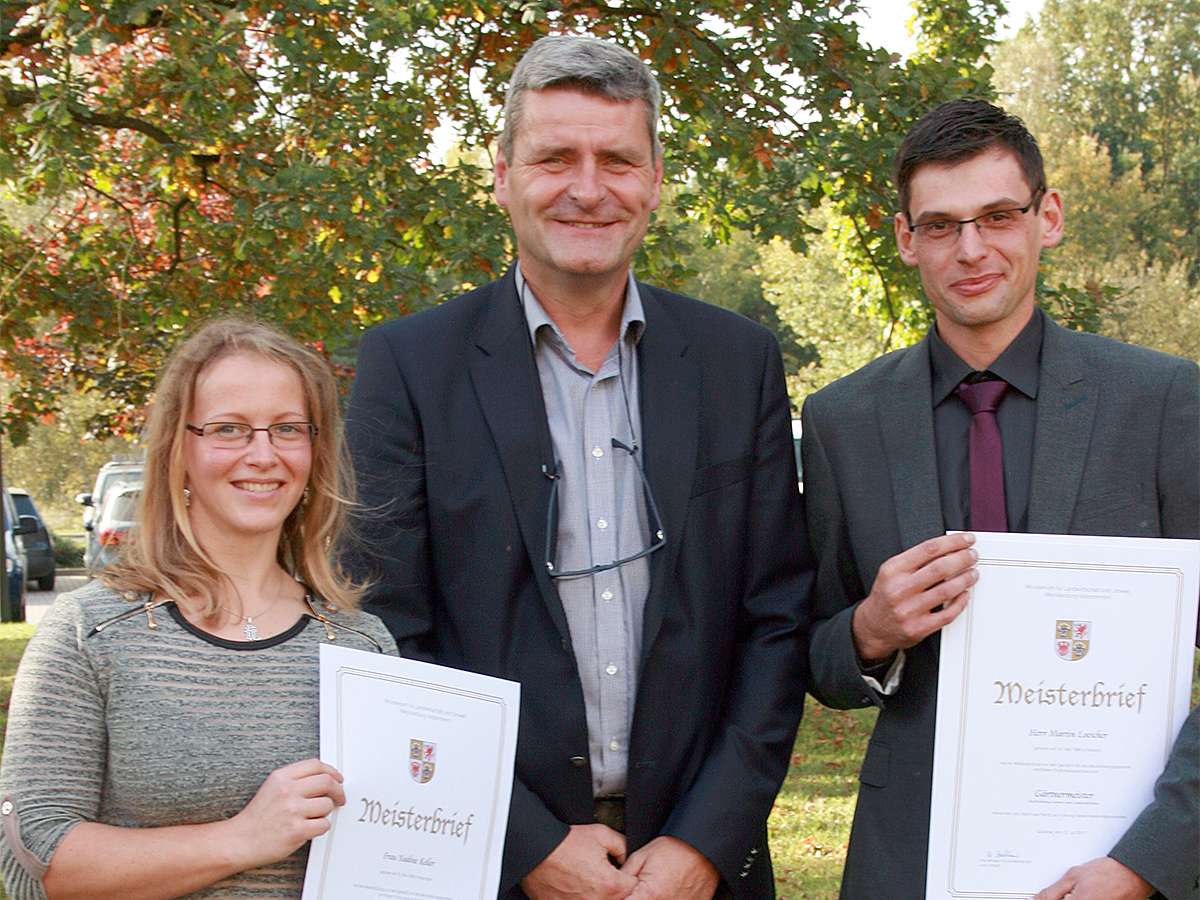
{"type": "Point", "coordinates": [962, 129]}
{"type": "Point", "coordinates": [583, 63]}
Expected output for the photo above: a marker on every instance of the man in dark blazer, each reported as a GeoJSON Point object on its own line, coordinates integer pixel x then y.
{"type": "Point", "coordinates": [474, 430]}
{"type": "Point", "coordinates": [1098, 437]}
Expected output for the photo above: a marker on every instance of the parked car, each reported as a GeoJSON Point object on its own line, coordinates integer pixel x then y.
{"type": "Point", "coordinates": [39, 543]}
{"type": "Point", "coordinates": [14, 557]}
{"type": "Point", "coordinates": [117, 472]}
{"type": "Point", "coordinates": [114, 523]}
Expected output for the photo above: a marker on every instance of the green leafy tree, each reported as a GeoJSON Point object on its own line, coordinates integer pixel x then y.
{"type": "Point", "coordinates": [165, 160]}
{"type": "Point", "coordinates": [1112, 92]}
{"type": "Point", "coordinates": [61, 457]}
{"type": "Point", "coordinates": [832, 300]}
{"type": "Point", "coordinates": [1127, 74]}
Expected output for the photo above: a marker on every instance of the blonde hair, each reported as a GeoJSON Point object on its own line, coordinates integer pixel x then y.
{"type": "Point", "coordinates": [163, 555]}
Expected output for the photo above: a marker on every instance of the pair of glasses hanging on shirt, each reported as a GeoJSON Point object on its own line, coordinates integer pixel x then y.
{"type": "Point", "coordinates": [657, 538]}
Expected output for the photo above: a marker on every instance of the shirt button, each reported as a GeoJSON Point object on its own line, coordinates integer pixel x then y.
{"type": "Point", "coordinates": [606, 594]}
{"type": "Point", "coordinates": [614, 745]}
{"type": "Point", "coordinates": [602, 524]}
{"type": "Point", "coordinates": [610, 669]}
{"type": "Point", "coordinates": [597, 452]}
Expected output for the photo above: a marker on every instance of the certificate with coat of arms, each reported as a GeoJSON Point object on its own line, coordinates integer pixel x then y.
{"type": "Point", "coordinates": [1061, 689]}
{"type": "Point", "coordinates": [427, 756]}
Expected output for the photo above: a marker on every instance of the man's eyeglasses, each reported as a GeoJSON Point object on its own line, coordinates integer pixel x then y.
{"type": "Point", "coordinates": [235, 435]}
{"type": "Point", "coordinates": [657, 537]}
{"type": "Point", "coordinates": [996, 223]}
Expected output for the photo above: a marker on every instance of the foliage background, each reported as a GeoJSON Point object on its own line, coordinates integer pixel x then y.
{"type": "Point", "coordinates": [326, 165]}
{"type": "Point", "coordinates": [165, 160]}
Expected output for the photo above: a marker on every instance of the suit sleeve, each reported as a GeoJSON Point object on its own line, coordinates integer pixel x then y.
{"type": "Point", "coordinates": [1161, 844]}
{"type": "Point", "coordinates": [389, 547]}
{"type": "Point", "coordinates": [1179, 456]}
{"type": "Point", "coordinates": [390, 550]}
{"type": "Point", "coordinates": [836, 679]}
{"type": "Point", "coordinates": [724, 813]}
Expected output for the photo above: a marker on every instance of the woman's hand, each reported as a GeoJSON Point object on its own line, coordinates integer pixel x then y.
{"type": "Point", "coordinates": [291, 807]}
{"type": "Point", "coordinates": [106, 861]}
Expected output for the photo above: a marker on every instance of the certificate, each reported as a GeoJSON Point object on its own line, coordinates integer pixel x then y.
{"type": "Point", "coordinates": [1061, 688]}
{"type": "Point", "coordinates": [427, 756]}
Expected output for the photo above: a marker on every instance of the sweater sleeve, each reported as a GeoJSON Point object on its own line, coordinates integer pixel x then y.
{"type": "Point", "coordinates": [53, 768]}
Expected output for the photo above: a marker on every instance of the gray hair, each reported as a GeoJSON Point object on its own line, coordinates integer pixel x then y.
{"type": "Point", "coordinates": [583, 63]}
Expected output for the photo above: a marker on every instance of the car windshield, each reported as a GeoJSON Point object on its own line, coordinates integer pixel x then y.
{"type": "Point", "coordinates": [122, 507]}
{"type": "Point", "coordinates": [111, 480]}
{"type": "Point", "coordinates": [25, 506]}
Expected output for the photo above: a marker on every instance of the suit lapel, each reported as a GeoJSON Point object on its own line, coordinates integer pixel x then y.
{"type": "Point", "coordinates": [669, 396]}
{"type": "Point", "coordinates": [905, 416]}
{"type": "Point", "coordinates": [1066, 411]}
{"type": "Point", "coordinates": [505, 378]}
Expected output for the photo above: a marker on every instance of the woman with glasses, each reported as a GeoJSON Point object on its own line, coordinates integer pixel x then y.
{"type": "Point", "coordinates": [163, 728]}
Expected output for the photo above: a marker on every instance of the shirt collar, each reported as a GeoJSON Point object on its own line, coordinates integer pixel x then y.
{"type": "Point", "coordinates": [633, 317]}
{"type": "Point", "coordinates": [1018, 364]}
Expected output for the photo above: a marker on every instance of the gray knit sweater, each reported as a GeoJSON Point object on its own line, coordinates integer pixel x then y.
{"type": "Point", "coordinates": [142, 727]}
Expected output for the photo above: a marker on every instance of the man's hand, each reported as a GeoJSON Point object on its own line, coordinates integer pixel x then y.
{"type": "Point", "coordinates": [670, 869]}
{"type": "Point", "coordinates": [915, 593]}
{"type": "Point", "coordinates": [1100, 879]}
{"type": "Point", "coordinates": [580, 868]}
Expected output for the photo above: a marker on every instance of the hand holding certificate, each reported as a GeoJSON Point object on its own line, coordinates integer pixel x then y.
{"type": "Point", "coordinates": [427, 757]}
{"type": "Point", "coordinates": [1061, 689]}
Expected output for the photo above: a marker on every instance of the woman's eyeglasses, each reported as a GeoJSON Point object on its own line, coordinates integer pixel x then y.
{"type": "Point", "coordinates": [235, 435]}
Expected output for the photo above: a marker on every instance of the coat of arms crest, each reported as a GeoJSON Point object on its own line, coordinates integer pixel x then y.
{"type": "Point", "coordinates": [1071, 639]}
{"type": "Point", "coordinates": [421, 758]}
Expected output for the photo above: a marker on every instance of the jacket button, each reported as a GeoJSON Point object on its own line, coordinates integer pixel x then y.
{"type": "Point", "coordinates": [578, 762]}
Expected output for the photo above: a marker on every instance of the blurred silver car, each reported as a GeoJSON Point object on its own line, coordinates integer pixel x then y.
{"type": "Point", "coordinates": [797, 432]}
{"type": "Point", "coordinates": [114, 524]}
{"type": "Point", "coordinates": [117, 472]}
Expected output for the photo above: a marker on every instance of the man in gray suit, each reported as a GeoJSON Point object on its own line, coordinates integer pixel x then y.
{"type": "Point", "coordinates": [1096, 437]}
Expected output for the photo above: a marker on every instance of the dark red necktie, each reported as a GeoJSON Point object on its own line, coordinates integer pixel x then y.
{"type": "Point", "coordinates": [987, 455]}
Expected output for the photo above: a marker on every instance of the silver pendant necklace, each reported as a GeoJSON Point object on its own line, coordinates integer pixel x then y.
{"type": "Point", "coordinates": [250, 629]}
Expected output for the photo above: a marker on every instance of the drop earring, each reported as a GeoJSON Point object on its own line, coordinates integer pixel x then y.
{"type": "Point", "coordinates": [187, 497]}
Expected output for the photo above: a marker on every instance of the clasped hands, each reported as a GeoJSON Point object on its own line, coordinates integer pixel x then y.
{"type": "Point", "coordinates": [582, 868]}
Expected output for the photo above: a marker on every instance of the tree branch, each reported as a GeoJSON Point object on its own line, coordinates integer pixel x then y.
{"type": "Point", "coordinates": [15, 97]}
{"type": "Point", "coordinates": [85, 116]}
{"type": "Point", "coordinates": [178, 233]}
{"type": "Point", "coordinates": [893, 319]}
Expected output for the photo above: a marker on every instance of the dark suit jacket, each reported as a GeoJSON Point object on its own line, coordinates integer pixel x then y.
{"type": "Point", "coordinates": [1163, 843]}
{"type": "Point", "coordinates": [1115, 453]}
{"type": "Point", "coordinates": [447, 432]}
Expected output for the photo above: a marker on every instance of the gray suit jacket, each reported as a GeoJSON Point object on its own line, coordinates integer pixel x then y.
{"type": "Point", "coordinates": [1116, 452]}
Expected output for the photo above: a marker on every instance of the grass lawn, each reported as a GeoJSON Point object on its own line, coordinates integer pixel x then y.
{"type": "Point", "coordinates": [811, 820]}
{"type": "Point", "coordinates": [13, 638]}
